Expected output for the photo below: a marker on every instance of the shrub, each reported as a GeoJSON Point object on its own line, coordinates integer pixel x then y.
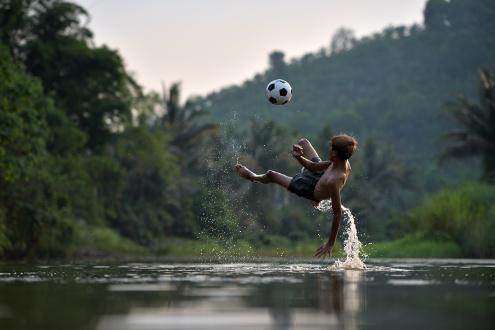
{"type": "Point", "coordinates": [465, 215]}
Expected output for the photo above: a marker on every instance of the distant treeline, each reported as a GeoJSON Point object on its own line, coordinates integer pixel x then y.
{"type": "Point", "coordinates": [89, 163]}
{"type": "Point", "coordinates": [390, 87]}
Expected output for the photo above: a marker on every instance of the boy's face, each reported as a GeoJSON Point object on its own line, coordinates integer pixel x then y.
{"type": "Point", "coordinates": [331, 153]}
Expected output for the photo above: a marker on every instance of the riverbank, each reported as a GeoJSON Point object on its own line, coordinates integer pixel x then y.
{"type": "Point", "coordinates": [104, 243]}
{"type": "Point", "coordinates": [407, 247]}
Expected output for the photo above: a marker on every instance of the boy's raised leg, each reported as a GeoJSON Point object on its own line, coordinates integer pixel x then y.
{"type": "Point", "coordinates": [308, 149]}
{"type": "Point", "coordinates": [269, 177]}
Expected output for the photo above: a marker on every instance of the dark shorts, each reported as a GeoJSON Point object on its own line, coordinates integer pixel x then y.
{"type": "Point", "coordinates": [303, 183]}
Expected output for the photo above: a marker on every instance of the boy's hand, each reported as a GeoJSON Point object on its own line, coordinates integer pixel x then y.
{"type": "Point", "coordinates": [297, 151]}
{"type": "Point", "coordinates": [324, 250]}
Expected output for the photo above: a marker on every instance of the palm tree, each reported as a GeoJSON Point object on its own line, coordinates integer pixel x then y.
{"type": "Point", "coordinates": [382, 185]}
{"type": "Point", "coordinates": [184, 122]}
{"type": "Point", "coordinates": [383, 169]}
{"type": "Point", "coordinates": [385, 173]}
{"type": "Point", "coordinates": [476, 138]}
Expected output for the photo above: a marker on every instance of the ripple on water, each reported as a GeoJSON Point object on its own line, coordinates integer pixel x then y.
{"type": "Point", "coordinates": [369, 268]}
{"type": "Point", "coordinates": [396, 273]}
{"type": "Point", "coordinates": [146, 287]}
{"type": "Point", "coordinates": [410, 282]}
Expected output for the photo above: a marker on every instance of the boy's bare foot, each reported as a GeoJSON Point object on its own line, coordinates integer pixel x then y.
{"type": "Point", "coordinates": [244, 172]}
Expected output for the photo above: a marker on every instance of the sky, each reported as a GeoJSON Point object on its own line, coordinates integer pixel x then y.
{"type": "Point", "coordinates": [210, 44]}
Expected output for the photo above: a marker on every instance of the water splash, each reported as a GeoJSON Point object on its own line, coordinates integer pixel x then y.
{"type": "Point", "coordinates": [220, 241]}
{"type": "Point", "coordinates": [352, 245]}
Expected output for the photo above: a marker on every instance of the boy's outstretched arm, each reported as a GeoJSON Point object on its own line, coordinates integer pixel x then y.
{"type": "Point", "coordinates": [337, 216]}
{"type": "Point", "coordinates": [297, 152]}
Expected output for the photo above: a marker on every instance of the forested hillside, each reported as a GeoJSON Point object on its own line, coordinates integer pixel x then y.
{"type": "Point", "coordinates": [391, 87]}
{"type": "Point", "coordinates": [91, 164]}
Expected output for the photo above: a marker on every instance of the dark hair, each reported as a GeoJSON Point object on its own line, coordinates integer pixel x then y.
{"type": "Point", "coordinates": [344, 145]}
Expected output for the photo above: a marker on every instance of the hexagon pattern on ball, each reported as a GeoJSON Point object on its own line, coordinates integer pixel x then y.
{"type": "Point", "coordinates": [278, 92]}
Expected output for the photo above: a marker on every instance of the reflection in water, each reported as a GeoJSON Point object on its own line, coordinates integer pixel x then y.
{"type": "Point", "coordinates": [265, 295]}
{"type": "Point", "coordinates": [340, 295]}
{"type": "Point", "coordinates": [353, 298]}
{"type": "Point", "coordinates": [280, 308]}
{"type": "Point", "coordinates": [320, 301]}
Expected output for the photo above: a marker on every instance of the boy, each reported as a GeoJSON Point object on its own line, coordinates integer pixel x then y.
{"type": "Point", "coordinates": [318, 180]}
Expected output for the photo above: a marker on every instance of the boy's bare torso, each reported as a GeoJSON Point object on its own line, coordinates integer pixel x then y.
{"type": "Point", "coordinates": [334, 178]}
{"type": "Point", "coordinates": [336, 171]}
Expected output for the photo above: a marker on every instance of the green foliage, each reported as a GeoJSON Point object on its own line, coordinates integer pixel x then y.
{"type": "Point", "coordinates": [242, 248]}
{"type": "Point", "coordinates": [414, 246]}
{"type": "Point", "coordinates": [90, 84]}
{"type": "Point", "coordinates": [152, 174]}
{"type": "Point", "coordinates": [266, 147]}
{"type": "Point", "coordinates": [389, 87]}
{"type": "Point", "coordinates": [22, 124]}
{"type": "Point", "coordinates": [295, 225]}
{"type": "Point", "coordinates": [381, 185]}
{"type": "Point", "coordinates": [82, 174]}
{"type": "Point", "coordinates": [445, 14]}
{"type": "Point", "coordinates": [465, 215]}
{"type": "Point", "coordinates": [187, 125]}
{"type": "Point", "coordinates": [30, 219]}
{"type": "Point", "coordinates": [477, 136]}
{"type": "Point", "coordinates": [102, 240]}
{"type": "Point", "coordinates": [215, 217]}
{"type": "Point", "coordinates": [64, 138]}
{"type": "Point", "coordinates": [4, 239]}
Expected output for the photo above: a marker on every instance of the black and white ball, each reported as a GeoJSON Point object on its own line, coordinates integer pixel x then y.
{"type": "Point", "coordinates": [278, 92]}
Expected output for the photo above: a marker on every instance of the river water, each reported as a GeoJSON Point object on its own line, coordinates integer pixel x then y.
{"type": "Point", "coordinates": [252, 294]}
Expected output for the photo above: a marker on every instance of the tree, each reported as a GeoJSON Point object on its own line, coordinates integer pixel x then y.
{"type": "Point", "coordinates": [276, 61]}
{"type": "Point", "coordinates": [436, 14]}
{"type": "Point", "coordinates": [379, 187]}
{"type": "Point", "coordinates": [148, 201]}
{"type": "Point", "coordinates": [90, 84]}
{"type": "Point", "coordinates": [476, 138]}
{"type": "Point", "coordinates": [322, 141]}
{"type": "Point", "coordinates": [389, 87]}
{"type": "Point", "coordinates": [185, 124]}
{"type": "Point", "coordinates": [456, 14]}
{"type": "Point", "coordinates": [342, 40]}
{"type": "Point", "coordinates": [267, 148]}
{"type": "Point", "coordinates": [34, 207]}
{"type": "Point", "coordinates": [22, 121]}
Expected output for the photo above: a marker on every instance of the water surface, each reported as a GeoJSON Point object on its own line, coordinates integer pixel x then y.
{"type": "Point", "coordinates": [256, 294]}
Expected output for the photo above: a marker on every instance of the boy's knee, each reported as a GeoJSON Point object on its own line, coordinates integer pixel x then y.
{"type": "Point", "coordinates": [270, 174]}
{"type": "Point", "coordinates": [302, 142]}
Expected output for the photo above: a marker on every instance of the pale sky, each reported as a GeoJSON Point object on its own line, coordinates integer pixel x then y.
{"type": "Point", "coordinates": [209, 44]}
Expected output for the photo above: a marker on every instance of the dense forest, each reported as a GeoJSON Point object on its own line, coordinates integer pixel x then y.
{"type": "Point", "coordinates": [390, 87]}
{"type": "Point", "coordinates": [91, 164]}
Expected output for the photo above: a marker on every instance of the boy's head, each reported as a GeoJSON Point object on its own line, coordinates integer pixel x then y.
{"type": "Point", "coordinates": [343, 145]}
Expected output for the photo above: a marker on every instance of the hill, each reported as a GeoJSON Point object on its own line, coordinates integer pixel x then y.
{"type": "Point", "coordinates": [391, 87]}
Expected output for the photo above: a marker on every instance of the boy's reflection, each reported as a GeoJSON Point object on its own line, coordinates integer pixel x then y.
{"type": "Point", "coordinates": [340, 293]}
{"type": "Point", "coordinates": [332, 299]}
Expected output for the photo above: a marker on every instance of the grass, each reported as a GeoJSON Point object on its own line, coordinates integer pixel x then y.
{"type": "Point", "coordinates": [103, 241]}
{"type": "Point", "coordinates": [182, 248]}
{"type": "Point", "coordinates": [98, 241]}
{"type": "Point", "coordinates": [413, 247]}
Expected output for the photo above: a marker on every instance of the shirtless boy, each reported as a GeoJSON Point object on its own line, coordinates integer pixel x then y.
{"type": "Point", "coordinates": [318, 180]}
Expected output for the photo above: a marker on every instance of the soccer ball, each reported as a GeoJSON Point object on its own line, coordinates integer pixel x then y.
{"type": "Point", "coordinates": [278, 92]}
